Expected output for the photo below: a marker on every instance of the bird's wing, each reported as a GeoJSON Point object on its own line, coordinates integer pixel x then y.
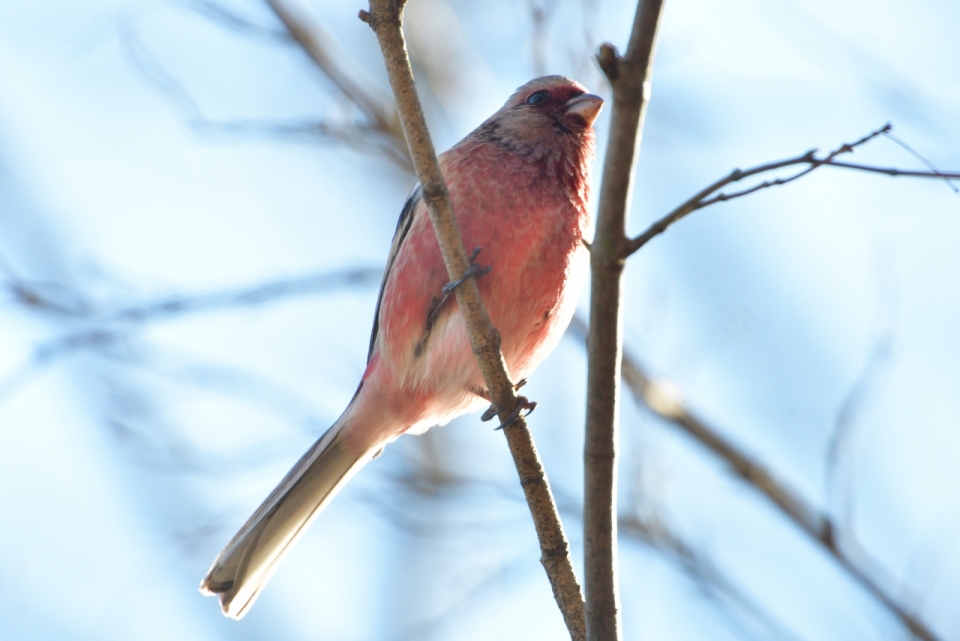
{"type": "Point", "coordinates": [403, 226]}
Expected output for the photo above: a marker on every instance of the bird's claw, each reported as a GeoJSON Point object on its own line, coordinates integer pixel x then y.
{"type": "Point", "coordinates": [473, 271]}
{"type": "Point", "coordinates": [491, 411]}
{"type": "Point", "coordinates": [523, 403]}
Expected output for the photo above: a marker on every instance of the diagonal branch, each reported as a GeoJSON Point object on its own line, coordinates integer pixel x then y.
{"type": "Point", "coordinates": [703, 198]}
{"type": "Point", "coordinates": [224, 299]}
{"type": "Point", "coordinates": [369, 135]}
{"type": "Point", "coordinates": [107, 328]}
{"type": "Point", "coordinates": [385, 18]}
{"type": "Point", "coordinates": [322, 49]}
{"type": "Point", "coordinates": [656, 533]}
{"type": "Point", "coordinates": [916, 154]}
{"type": "Point", "coordinates": [814, 523]}
{"type": "Point", "coordinates": [213, 10]}
{"type": "Point", "coordinates": [629, 78]}
{"type": "Point", "coordinates": [659, 399]}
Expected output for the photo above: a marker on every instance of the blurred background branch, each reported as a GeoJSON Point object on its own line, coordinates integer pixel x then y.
{"type": "Point", "coordinates": [664, 400]}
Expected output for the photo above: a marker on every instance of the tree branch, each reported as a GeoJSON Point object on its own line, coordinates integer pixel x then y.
{"type": "Point", "coordinates": [385, 18]}
{"type": "Point", "coordinates": [816, 524]}
{"type": "Point", "coordinates": [893, 171]}
{"type": "Point", "coordinates": [378, 129]}
{"type": "Point", "coordinates": [916, 154]}
{"type": "Point", "coordinates": [702, 198]}
{"type": "Point", "coordinates": [655, 533]}
{"type": "Point", "coordinates": [106, 328]}
{"type": "Point", "coordinates": [629, 77]}
{"type": "Point", "coordinates": [819, 526]}
{"type": "Point", "coordinates": [234, 20]}
{"type": "Point", "coordinates": [321, 47]}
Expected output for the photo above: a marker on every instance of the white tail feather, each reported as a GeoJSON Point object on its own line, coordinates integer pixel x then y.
{"type": "Point", "coordinates": [250, 558]}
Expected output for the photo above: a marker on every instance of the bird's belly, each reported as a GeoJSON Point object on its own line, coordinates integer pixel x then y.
{"type": "Point", "coordinates": [532, 323]}
{"type": "Point", "coordinates": [530, 292]}
{"type": "Point", "coordinates": [529, 298]}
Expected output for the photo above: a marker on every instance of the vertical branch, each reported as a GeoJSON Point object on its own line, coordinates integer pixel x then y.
{"type": "Point", "coordinates": [629, 77]}
{"type": "Point", "coordinates": [385, 17]}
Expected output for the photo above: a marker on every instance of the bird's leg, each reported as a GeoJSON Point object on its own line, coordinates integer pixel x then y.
{"type": "Point", "coordinates": [473, 271]}
{"type": "Point", "coordinates": [491, 411]}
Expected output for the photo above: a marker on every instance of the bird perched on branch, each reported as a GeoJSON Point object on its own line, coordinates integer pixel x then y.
{"type": "Point", "coordinates": [519, 188]}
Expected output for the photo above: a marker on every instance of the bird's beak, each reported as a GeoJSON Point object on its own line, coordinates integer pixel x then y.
{"type": "Point", "coordinates": [587, 106]}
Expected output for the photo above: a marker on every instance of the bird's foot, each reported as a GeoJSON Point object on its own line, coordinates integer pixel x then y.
{"type": "Point", "coordinates": [491, 411]}
{"type": "Point", "coordinates": [523, 403]}
{"type": "Point", "coordinates": [473, 271]}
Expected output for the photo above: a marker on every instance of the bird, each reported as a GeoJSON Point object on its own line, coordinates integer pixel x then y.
{"type": "Point", "coordinates": [519, 185]}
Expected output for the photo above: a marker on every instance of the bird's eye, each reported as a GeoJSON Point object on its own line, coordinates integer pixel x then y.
{"type": "Point", "coordinates": [537, 99]}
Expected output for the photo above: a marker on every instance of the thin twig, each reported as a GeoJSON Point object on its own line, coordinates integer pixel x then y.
{"type": "Point", "coordinates": [540, 14]}
{"type": "Point", "coordinates": [698, 567]}
{"type": "Point", "coordinates": [894, 171]}
{"type": "Point", "coordinates": [385, 18]}
{"type": "Point", "coordinates": [629, 78]}
{"type": "Point", "coordinates": [322, 49]}
{"type": "Point", "coordinates": [847, 415]}
{"type": "Point", "coordinates": [376, 131]}
{"type": "Point", "coordinates": [916, 154]}
{"type": "Point", "coordinates": [236, 21]}
{"type": "Point", "coordinates": [432, 488]}
{"type": "Point", "coordinates": [840, 460]}
{"type": "Point", "coordinates": [106, 328]}
{"type": "Point", "coordinates": [702, 198]}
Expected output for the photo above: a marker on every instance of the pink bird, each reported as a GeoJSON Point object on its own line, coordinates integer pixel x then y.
{"type": "Point", "coordinates": [519, 186]}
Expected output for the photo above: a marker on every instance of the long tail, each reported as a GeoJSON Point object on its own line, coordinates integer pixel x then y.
{"type": "Point", "coordinates": [250, 558]}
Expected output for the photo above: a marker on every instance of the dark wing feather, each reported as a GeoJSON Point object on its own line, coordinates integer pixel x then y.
{"type": "Point", "coordinates": [403, 226]}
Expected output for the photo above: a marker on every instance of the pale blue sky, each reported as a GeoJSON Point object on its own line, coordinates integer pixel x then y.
{"type": "Point", "coordinates": [126, 467]}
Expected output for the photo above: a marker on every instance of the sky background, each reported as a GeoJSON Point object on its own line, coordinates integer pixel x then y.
{"type": "Point", "coordinates": [140, 162]}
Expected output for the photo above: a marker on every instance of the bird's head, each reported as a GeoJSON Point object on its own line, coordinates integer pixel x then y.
{"type": "Point", "coordinates": [548, 110]}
